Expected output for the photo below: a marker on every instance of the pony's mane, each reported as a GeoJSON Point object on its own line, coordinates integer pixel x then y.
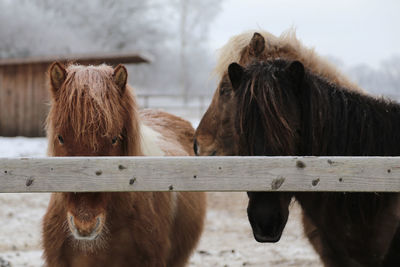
{"type": "Point", "coordinates": [287, 46]}
{"type": "Point", "coordinates": [334, 121]}
{"type": "Point", "coordinates": [90, 104]}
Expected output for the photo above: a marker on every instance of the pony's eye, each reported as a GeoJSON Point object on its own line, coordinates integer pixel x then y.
{"type": "Point", "coordinates": [114, 140]}
{"type": "Point", "coordinates": [60, 139]}
{"type": "Point", "coordinates": [224, 90]}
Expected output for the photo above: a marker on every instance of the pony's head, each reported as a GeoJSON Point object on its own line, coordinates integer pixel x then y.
{"type": "Point", "coordinates": [93, 113]}
{"type": "Point", "coordinates": [215, 134]}
{"type": "Point", "coordinates": [256, 111]}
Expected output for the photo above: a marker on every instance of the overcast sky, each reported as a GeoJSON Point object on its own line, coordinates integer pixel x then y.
{"type": "Point", "coordinates": [354, 31]}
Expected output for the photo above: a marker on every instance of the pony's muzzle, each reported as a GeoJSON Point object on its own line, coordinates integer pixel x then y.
{"type": "Point", "coordinates": [85, 230]}
{"type": "Point", "coordinates": [268, 232]}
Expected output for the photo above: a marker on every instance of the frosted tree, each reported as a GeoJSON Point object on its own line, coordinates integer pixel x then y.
{"type": "Point", "coordinates": [384, 80]}
{"type": "Point", "coordinates": [154, 28]}
{"type": "Point", "coordinates": [194, 23]}
{"type": "Point", "coordinates": [28, 30]}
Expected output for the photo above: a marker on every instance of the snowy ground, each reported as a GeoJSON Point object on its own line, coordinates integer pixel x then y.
{"type": "Point", "coordinates": [226, 241]}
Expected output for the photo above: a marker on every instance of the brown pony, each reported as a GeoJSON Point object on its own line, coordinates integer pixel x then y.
{"type": "Point", "coordinates": [94, 113]}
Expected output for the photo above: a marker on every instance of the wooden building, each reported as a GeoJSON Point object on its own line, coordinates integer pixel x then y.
{"type": "Point", "coordinates": [24, 97]}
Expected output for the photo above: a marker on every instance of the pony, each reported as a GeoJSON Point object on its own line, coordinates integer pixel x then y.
{"type": "Point", "coordinates": [213, 133]}
{"type": "Point", "coordinates": [280, 108]}
{"type": "Point", "coordinates": [94, 113]}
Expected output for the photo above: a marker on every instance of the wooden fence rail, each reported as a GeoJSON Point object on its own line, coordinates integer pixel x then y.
{"type": "Point", "coordinates": [84, 174]}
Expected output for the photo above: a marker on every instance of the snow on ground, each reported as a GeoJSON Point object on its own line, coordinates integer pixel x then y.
{"type": "Point", "coordinates": [22, 147]}
{"type": "Point", "coordinates": [226, 241]}
{"type": "Point", "coordinates": [21, 214]}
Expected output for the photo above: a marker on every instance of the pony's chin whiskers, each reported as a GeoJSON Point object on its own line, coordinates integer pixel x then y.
{"type": "Point", "coordinates": [77, 236]}
{"type": "Point", "coordinates": [100, 243]}
{"type": "Point", "coordinates": [97, 241]}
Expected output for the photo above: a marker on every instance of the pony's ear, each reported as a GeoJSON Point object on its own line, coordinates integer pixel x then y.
{"type": "Point", "coordinates": [235, 72]}
{"type": "Point", "coordinates": [296, 71]}
{"type": "Point", "coordinates": [120, 77]}
{"type": "Point", "coordinates": [257, 44]}
{"type": "Point", "coordinates": [58, 74]}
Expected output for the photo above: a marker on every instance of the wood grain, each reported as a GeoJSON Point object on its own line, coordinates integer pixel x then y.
{"type": "Point", "coordinates": [75, 174]}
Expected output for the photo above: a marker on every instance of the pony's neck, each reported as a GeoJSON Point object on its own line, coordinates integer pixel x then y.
{"type": "Point", "coordinates": [341, 122]}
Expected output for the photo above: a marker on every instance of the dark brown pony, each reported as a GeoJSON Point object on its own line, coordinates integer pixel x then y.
{"type": "Point", "coordinates": [94, 113]}
{"type": "Point", "coordinates": [278, 108]}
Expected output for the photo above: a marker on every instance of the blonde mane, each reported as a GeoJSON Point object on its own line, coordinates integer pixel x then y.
{"type": "Point", "coordinates": [287, 47]}
{"type": "Point", "coordinates": [89, 103]}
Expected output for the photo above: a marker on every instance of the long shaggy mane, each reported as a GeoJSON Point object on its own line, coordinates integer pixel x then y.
{"type": "Point", "coordinates": [287, 46]}
{"type": "Point", "coordinates": [334, 122]}
{"type": "Point", "coordinates": [260, 117]}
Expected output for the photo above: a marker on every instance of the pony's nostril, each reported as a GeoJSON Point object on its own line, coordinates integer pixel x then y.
{"type": "Point", "coordinates": [71, 220]}
{"type": "Point", "coordinates": [84, 232]}
{"type": "Point", "coordinates": [97, 223]}
{"type": "Point", "coordinates": [195, 147]}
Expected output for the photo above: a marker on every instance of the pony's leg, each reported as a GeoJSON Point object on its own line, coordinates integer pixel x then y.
{"type": "Point", "coordinates": [393, 256]}
{"type": "Point", "coordinates": [390, 220]}
{"type": "Point", "coordinates": [328, 256]}
{"type": "Point", "coordinates": [187, 227]}
{"type": "Point", "coordinates": [311, 232]}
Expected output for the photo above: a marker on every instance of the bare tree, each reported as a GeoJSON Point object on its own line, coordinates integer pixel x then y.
{"type": "Point", "coordinates": [173, 33]}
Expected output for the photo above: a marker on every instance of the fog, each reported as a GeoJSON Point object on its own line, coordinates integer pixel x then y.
{"type": "Point", "coordinates": [181, 37]}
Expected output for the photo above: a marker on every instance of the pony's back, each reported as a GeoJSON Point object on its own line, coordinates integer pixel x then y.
{"type": "Point", "coordinates": [177, 133]}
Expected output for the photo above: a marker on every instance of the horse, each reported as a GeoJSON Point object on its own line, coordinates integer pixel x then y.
{"type": "Point", "coordinates": [246, 48]}
{"type": "Point", "coordinates": [280, 108]}
{"type": "Point", "coordinates": [94, 113]}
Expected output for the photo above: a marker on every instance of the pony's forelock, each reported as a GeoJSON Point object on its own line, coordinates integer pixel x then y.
{"type": "Point", "coordinates": [259, 102]}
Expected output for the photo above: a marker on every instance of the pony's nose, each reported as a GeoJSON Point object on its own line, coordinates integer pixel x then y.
{"type": "Point", "coordinates": [85, 229]}
{"type": "Point", "coordinates": [196, 147]}
{"type": "Point", "coordinates": [268, 231]}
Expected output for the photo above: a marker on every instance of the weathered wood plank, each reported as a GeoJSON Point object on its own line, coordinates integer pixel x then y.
{"type": "Point", "coordinates": [362, 174]}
